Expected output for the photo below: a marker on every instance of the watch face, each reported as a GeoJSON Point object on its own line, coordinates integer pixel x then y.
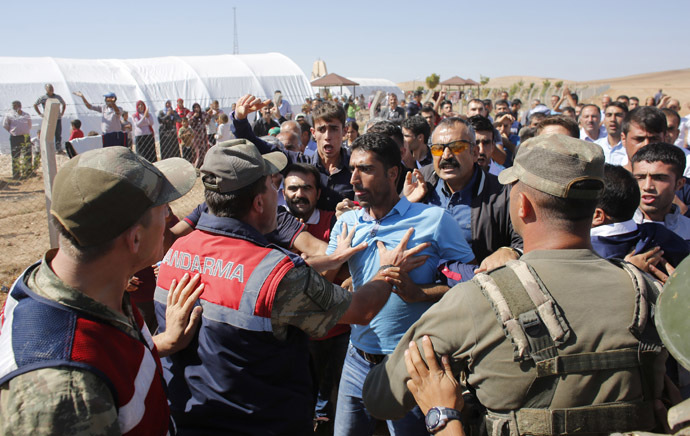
{"type": "Point", "coordinates": [433, 417]}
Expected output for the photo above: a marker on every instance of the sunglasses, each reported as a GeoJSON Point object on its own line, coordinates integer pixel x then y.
{"type": "Point", "coordinates": [456, 147]}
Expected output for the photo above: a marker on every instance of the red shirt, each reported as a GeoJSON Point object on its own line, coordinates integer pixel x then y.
{"type": "Point", "coordinates": [76, 133]}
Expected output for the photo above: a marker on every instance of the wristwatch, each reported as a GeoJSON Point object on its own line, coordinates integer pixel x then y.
{"type": "Point", "coordinates": [437, 418]}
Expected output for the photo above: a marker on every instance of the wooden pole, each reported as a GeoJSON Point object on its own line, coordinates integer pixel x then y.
{"type": "Point", "coordinates": [50, 119]}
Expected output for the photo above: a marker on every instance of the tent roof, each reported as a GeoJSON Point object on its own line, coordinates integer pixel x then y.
{"type": "Point", "coordinates": [333, 80]}
{"type": "Point", "coordinates": [454, 81]}
{"type": "Point", "coordinates": [471, 82]}
{"type": "Point", "coordinates": [199, 79]}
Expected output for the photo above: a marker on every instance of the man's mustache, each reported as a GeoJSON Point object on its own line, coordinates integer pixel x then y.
{"type": "Point", "coordinates": [449, 163]}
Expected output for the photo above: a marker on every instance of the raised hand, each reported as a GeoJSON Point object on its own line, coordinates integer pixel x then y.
{"type": "Point", "coordinates": [248, 104]}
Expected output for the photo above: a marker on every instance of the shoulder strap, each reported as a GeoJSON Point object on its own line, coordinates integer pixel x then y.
{"type": "Point", "coordinates": [529, 314]}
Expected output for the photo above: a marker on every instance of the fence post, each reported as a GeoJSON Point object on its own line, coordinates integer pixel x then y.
{"type": "Point", "coordinates": [50, 119]}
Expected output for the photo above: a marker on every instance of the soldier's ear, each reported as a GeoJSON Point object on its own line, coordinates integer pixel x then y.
{"type": "Point", "coordinates": [599, 217]}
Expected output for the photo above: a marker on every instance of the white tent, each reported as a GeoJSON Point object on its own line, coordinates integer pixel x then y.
{"type": "Point", "coordinates": [199, 79]}
{"type": "Point", "coordinates": [368, 87]}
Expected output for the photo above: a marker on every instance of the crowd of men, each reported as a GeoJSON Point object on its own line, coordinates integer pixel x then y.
{"type": "Point", "coordinates": [293, 300]}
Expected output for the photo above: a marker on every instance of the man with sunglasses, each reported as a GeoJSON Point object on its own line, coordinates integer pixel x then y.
{"type": "Point", "coordinates": [477, 201]}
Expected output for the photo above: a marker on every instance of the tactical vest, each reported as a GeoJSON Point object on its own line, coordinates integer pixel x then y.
{"type": "Point", "coordinates": [39, 333]}
{"type": "Point", "coordinates": [534, 323]}
{"type": "Point", "coordinates": [236, 377]}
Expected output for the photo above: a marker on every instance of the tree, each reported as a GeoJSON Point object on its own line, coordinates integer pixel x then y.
{"type": "Point", "coordinates": [433, 80]}
{"type": "Point", "coordinates": [558, 84]}
{"type": "Point", "coordinates": [531, 85]}
{"type": "Point", "coordinates": [521, 83]}
{"type": "Point", "coordinates": [546, 83]}
{"type": "Point", "coordinates": [484, 80]}
{"type": "Point", "coordinates": [420, 88]}
{"type": "Point", "coordinates": [514, 89]}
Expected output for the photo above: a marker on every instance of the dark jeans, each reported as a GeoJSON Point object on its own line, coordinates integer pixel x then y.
{"type": "Point", "coordinates": [328, 356]}
{"type": "Point", "coordinates": [115, 138]}
{"type": "Point", "coordinates": [58, 135]}
{"type": "Point", "coordinates": [169, 143]}
{"type": "Point", "coordinates": [146, 147]}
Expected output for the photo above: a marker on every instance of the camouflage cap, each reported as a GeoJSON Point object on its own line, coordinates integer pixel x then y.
{"type": "Point", "coordinates": [237, 163]}
{"type": "Point", "coordinates": [671, 318]}
{"type": "Point", "coordinates": [553, 163]}
{"type": "Point", "coordinates": [99, 194]}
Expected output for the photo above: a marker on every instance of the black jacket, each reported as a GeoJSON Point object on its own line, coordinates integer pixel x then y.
{"type": "Point", "coordinates": [491, 226]}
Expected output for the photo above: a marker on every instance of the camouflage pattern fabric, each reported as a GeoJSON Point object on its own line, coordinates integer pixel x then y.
{"type": "Point", "coordinates": [306, 300]}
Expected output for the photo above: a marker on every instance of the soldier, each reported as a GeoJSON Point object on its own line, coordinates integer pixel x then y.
{"type": "Point", "coordinates": [248, 370]}
{"type": "Point", "coordinates": [544, 351]}
{"type": "Point", "coordinates": [77, 359]}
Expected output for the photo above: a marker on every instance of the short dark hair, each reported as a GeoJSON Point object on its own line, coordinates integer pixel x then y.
{"type": "Point", "coordinates": [92, 252]}
{"type": "Point", "coordinates": [634, 98]}
{"type": "Point", "coordinates": [516, 101]}
{"type": "Point", "coordinates": [575, 97]}
{"type": "Point", "coordinates": [481, 124]}
{"type": "Point", "coordinates": [620, 197]}
{"type": "Point", "coordinates": [418, 126]}
{"type": "Point", "coordinates": [76, 124]}
{"type": "Point", "coordinates": [389, 129]}
{"type": "Point", "coordinates": [565, 212]}
{"type": "Point", "coordinates": [487, 102]}
{"type": "Point", "coordinates": [662, 152]}
{"type": "Point", "coordinates": [475, 100]}
{"type": "Point", "coordinates": [619, 105]}
{"type": "Point", "coordinates": [648, 117]}
{"type": "Point", "coordinates": [353, 124]}
{"type": "Point", "coordinates": [304, 168]}
{"type": "Point", "coordinates": [505, 102]}
{"type": "Point", "coordinates": [537, 115]}
{"type": "Point", "coordinates": [569, 110]}
{"type": "Point", "coordinates": [235, 204]}
{"type": "Point", "coordinates": [386, 150]}
{"type": "Point", "coordinates": [560, 120]}
{"type": "Point", "coordinates": [671, 113]}
{"type": "Point", "coordinates": [623, 96]}
{"type": "Point", "coordinates": [445, 102]}
{"type": "Point", "coordinates": [329, 111]}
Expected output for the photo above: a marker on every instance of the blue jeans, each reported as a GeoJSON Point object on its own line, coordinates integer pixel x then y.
{"type": "Point", "coordinates": [352, 419]}
{"type": "Point", "coordinates": [328, 356]}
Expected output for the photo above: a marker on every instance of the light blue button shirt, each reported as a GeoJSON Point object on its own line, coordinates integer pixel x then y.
{"type": "Point", "coordinates": [432, 224]}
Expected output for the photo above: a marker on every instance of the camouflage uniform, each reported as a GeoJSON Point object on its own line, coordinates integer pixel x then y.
{"type": "Point", "coordinates": [57, 400]}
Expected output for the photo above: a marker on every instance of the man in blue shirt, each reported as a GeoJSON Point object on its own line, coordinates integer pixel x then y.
{"type": "Point", "coordinates": [383, 220]}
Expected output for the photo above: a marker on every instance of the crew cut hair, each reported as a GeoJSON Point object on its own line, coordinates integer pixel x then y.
{"type": "Point", "coordinates": [662, 152]}
{"type": "Point", "coordinates": [386, 150]}
{"type": "Point", "coordinates": [649, 118]}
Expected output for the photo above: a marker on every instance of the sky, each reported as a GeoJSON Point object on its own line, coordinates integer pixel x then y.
{"type": "Point", "coordinates": [396, 40]}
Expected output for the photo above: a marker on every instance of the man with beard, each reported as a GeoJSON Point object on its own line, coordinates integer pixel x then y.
{"type": "Point", "coordinates": [382, 220]}
{"type": "Point", "coordinates": [614, 153]}
{"type": "Point", "coordinates": [484, 133]}
{"type": "Point", "coordinates": [302, 190]}
{"type": "Point", "coordinates": [474, 198]}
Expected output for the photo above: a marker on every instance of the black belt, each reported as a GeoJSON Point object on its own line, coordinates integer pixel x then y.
{"type": "Point", "coordinates": [371, 358]}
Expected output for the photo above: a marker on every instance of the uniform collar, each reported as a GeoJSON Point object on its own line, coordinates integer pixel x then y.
{"type": "Point", "coordinates": [231, 227]}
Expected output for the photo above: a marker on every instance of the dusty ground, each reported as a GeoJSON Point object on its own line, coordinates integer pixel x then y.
{"type": "Point", "coordinates": [24, 224]}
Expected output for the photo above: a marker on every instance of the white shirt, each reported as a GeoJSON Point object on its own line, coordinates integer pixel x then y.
{"type": "Point", "coordinates": [614, 229]}
{"type": "Point", "coordinates": [495, 168]}
{"type": "Point", "coordinates": [674, 221]}
{"type": "Point", "coordinates": [16, 124]}
{"type": "Point", "coordinates": [602, 134]}
{"type": "Point", "coordinates": [684, 127]}
{"type": "Point", "coordinates": [224, 133]}
{"type": "Point", "coordinates": [615, 155]}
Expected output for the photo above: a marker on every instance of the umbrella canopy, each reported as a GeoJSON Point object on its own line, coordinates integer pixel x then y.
{"type": "Point", "coordinates": [333, 80]}
{"type": "Point", "coordinates": [454, 81]}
